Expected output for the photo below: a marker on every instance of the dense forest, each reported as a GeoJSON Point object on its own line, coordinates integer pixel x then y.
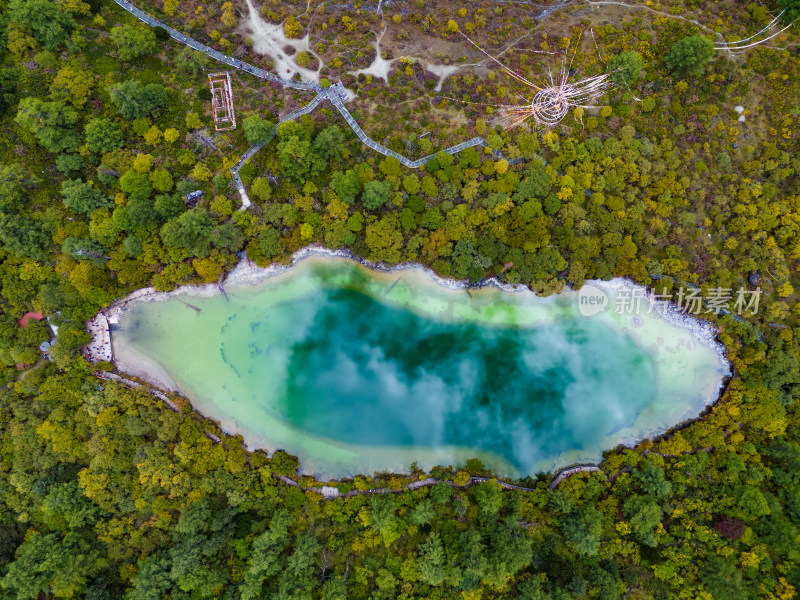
{"type": "Point", "coordinates": [105, 126]}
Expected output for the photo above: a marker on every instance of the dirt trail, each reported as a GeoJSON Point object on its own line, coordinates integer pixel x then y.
{"type": "Point", "coordinates": [380, 67]}
{"type": "Point", "coordinates": [270, 39]}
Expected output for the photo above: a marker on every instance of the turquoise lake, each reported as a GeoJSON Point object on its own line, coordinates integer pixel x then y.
{"type": "Point", "coordinates": [356, 370]}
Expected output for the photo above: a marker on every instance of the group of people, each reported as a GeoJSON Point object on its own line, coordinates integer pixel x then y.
{"type": "Point", "coordinates": [100, 347]}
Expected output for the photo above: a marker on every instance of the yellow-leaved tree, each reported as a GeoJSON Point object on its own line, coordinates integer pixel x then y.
{"type": "Point", "coordinates": [291, 27]}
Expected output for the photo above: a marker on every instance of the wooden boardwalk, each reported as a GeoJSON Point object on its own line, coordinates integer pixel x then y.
{"type": "Point", "coordinates": [131, 384]}
{"type": "Point", "coordinates": [572, 471]}
{"type": "Point", "coordinates": [335, 94]}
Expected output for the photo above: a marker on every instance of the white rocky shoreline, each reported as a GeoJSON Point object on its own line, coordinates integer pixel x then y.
{"type": "Point", "coordinates": [248, 273]}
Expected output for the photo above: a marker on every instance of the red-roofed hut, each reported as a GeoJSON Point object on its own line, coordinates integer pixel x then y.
{"type": "Point", "coordinates": [23, 322]}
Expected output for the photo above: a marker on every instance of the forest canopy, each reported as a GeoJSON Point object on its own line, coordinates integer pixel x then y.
{"type": "Point", "coordinates": [114, 178]}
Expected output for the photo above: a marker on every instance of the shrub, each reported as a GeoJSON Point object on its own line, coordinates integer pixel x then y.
{"type": "Point", "coordinates": [303, 59]}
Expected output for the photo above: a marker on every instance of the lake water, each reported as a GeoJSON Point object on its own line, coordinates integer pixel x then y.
{"type": "Point", "coordinates": [356, 370]}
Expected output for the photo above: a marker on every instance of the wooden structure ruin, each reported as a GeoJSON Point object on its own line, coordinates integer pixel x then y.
{"type": "Point", "coordinates": [222, 101]}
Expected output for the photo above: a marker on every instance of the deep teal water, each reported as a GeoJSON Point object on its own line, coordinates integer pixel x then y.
{"type": "Point", "coordinates": [368, 373]}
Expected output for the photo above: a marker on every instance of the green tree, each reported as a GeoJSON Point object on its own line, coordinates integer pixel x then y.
{"type": "Point", "coordinates": [724, 160]}
{"type": "Point", "coordinates": [511, 552]}
{"type": "Point", "coordinates": [261, 189]}
{"type": "Point", "coordinates": [81, 197]}
{"type": "Point", "coordinates": [428, 187]}
{"type": "Point", "coordinates": [752, 501]}
{"type": "Point", "coordinates": [168, 206]}
{"type": "Point", "coordinates": [23, 236]}
{"type": "Point", "coordinates": [690, 55]}
{"type": "Point", "coordinates": [264, 561]}
{"type": "Point", "coordinates": [269, 242]}
{"type": "Point", "coordinates": [69, 164]}
{"type": "Point", "coordinates": [258, 130]}
{"type": "Point", "coordinates": [548, 263]}
{"type": "Point", "coordinates": [102, 135]}
{"type": "Point", "coordinates": [422, 513]}
{"type": "Point", "coordinates": [490, 498]}
{"type": "Point", "coordinates": [152, 580]}
{"type": "Point", "coordinates": [472, 559]}
{"type": "Point", "coordinates": [52, 123]}
{"type": "Point", "coordinates": [329, 144]}
{"type": "Point", "coordinates": [189, 61]}
{"type": "Point", "coordinates": [644, 515]}
{"type": "Point", "coordinates": [49, 22]}
{"type": "Point", "coordinates": [376, 194]}
{"type": "Point", "coordinates": [83, 249]}
{"type": "Point", "coordinates": [382, 516]}
{"type": "Point", "coordinates": [227, 236]}
{"type": "Point", "coordinates": [162, 181]}
{"type": "Point", "coordinates": [651, 478]}
{"type": "Point", "coordinates": [347, 185]}
{"type": "Point", "coordinates": [9, 82]}
{"type": "Point", "coordinates": [132, 246]}
{"type": "Point", "coordinates": [72, 84]}
{"type": "Point", "coordinates": [132, 41]}
{"type": "Point", "coordinates": [723, 580]}
{"type": "Point", "coordinates": [625, 67]}
{"type": "Point", "coordinates": [536, 183]}
{"type": "Point", "coordinates": [294, 152]}
{"type": "Point", "coordinates": [190, 231]}
{"type": "Point", "coordinates": [15, 182]}
{"type": "Point", "coordinates": [531, 589]}
{"type": "Point", "coordinates": [140, 211]}
{"type": "Point", "coordinates": [48, 563]}
{"type": "Point", "coordinates": [10, 539]}
{"type": "Point", "coordinates": [333, 589]}
{"type": "Point", "coordinates": [583, 527]}
{"type": "Point", "coordinates": [295, 157]}
{"type": "Point", "coordinates": [441, 493]}
{"type": "Point", "coordinates": [136, 184]}
{"type": "Point", "coordinates": [791, 10]}
{"type": "Point", "coordinates": [411, 184]}
{"type": "Point", "coordinates": [432, 561]}
{"type": "Point", "coordinates": [136, 101]}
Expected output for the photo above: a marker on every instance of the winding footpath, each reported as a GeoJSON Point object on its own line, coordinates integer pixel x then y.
{"type": "Point", "coordinates": [335, 94]}
{"type": "Point", "coordinates": [330, 492]}
{"type": "Point", "coordinates": [131, 384]}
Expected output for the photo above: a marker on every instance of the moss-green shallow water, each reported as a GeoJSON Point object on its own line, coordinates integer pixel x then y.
{"type": "Point", "coordinates": [356, 370]}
